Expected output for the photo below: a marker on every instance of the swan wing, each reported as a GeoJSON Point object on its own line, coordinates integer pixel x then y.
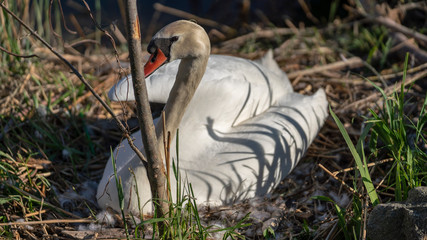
{"type": "Point", "coordinates": [252, 158]}
{"type": "Point", "coordinates": [242, 82]}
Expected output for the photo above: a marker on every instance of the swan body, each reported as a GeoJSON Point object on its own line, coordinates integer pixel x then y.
{"type": "Point", "coordinates": [241, 133]}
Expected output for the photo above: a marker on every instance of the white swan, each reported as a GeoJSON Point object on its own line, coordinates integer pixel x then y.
{"type": "Point", "coordinates": [239, 135]}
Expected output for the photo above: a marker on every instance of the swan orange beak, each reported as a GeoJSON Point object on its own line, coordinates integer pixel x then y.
{"type": "Point", "coordinates": [156, 60]}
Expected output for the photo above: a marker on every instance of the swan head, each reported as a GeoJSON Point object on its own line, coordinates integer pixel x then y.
{"type": "Point", "coordinates": [178, 40]}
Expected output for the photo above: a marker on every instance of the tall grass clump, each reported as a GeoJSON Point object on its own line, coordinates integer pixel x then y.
{"type": "Point", "coordinates": [399, 137]}
{"type": "Point", "coordinates": [16, 40]}
{"type": "Point", "coordinates": [393, 133]}
{"type": "Point", "coordinates": [9, 35]}
{"type": "Point", "coordinates": [389, 132]}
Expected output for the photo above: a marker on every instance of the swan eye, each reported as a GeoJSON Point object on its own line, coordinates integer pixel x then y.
{"type": "Point", "coordinates": [153, 59]}
{"type": "Point", "coordinates": [174, 39]}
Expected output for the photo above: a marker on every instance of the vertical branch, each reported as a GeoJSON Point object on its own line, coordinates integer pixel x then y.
{"type": "Point", "coordinates": [155, 168]}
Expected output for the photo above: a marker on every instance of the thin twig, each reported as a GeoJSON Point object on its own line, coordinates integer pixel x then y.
{"type": "Point", "coordinates": [307, 11]}
{"type": "Point", "coordinates": [203, 21]}
{"type": "Point", "coordinates": [35, 213]}
{"type": "Point", "coordinates": [389, 90]}
{"type": "Point", "coordinates": [82, 79]}
{"type": "Point", "coordinates": [400, 28]}
{"type": "Point", "coordinates": [165, 146]}
{"type": "Point", "coordinates": [270, 33]}
{"type": "Point", "coordinates": [365, 217]}
{"type": "Point", "coordinates": [100, 28]}
{"type": "Point", "coordinates": [369, 165]}
{"type": "Point", "coordinates": [403, 45]}
{"type": "Point", "coordinates": [63, 17]}
{"type": "Point", "coordinates": [235, 42]}
{"type": "Point", "coordinates": [398, 74]}
{"type": "Point", "coordinates": [119, 35]}
{"type": "Point", "coordinates": [83, 41]}
{"type": "Point", "coordinates": [77, 26]}
{"type": "Point", "coordinates": [152, 25]}
{"type": "Point", "coordinates": [50, 221]}
{"type": "Point", "coordinates": [17, 55]}
{"type": "Point", "coordinates": [167, 157]}
{"type": "Point", "coordinates": [50, 21]}
{"type": "Point", "coordinates": [353, 62]}
{"type": "Point", "coordinates": [338, 179]}
{"type": "Point", "coordinates": [374, 16]}
{"type": "Point", "coordinates": [147, 110]}
{"type": "Point", "coordinates": [366, 64]}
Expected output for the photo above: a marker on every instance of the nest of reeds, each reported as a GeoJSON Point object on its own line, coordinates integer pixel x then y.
{"type": "Point", "coordinates": [55, 136]}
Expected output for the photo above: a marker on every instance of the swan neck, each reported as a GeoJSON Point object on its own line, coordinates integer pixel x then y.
{"type": "Point", "coordinates": [190, 73]}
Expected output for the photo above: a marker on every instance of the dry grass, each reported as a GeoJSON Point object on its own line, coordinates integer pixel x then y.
{"type": "Point", "coordinates": [55, 135]}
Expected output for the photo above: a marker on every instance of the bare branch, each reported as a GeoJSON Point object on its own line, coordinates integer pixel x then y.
{"type": "Point", "coordinates": [403, 45]}
{"type": "Point", "coordinates": [99, 26]}
{"type": "Point", "coordinates": [371, 99]}
{"type": "Point", "coordinates": [353, 62]}
{"type": "Point", "coordinates": [400, 28]}
{"type": "Point", "coordinates": [155, 168]}
{"type": "Point", "coordinates": [63, 19]}
{"type": "Point", "coordinates": [179, 13]}
{"type": "Point", "coordinates": [50, 221]}
{"type": "Point", "coordinates": [307, 11]}
{"type": "Point", "coordinates": [270, 33]}
{"type": "Point", "coordinates": [17, 55]}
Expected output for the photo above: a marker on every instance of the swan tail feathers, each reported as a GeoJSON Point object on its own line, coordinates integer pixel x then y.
{"type": "Point", "coordinates": [268, 62]}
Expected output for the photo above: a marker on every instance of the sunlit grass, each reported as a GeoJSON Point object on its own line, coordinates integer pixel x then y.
{"type": "Point", "coordinates": [400, 137]}
{"type": "Point", "coordinates": [389, 132]}
{"type": "Point", "coordinates": [47, 139]}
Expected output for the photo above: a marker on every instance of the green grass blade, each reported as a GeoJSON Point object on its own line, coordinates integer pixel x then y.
{"type": "Point", "coordinates": [366, 178]}
{"type": "Point", "coordinates": [119, 192]}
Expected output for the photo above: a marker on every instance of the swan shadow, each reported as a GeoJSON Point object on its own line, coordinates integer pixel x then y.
{"type": "Point", "coordinates": [251, 168]}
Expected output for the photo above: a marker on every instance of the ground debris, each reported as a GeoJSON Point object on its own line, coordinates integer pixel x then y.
{"type": "Point", "coordinates": [54, 136]}
{"type": "Point", "coordinates": [105, 234]}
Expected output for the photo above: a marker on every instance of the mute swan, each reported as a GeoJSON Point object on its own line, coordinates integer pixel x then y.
{"type": "Point", "coordinates": [239, 135]}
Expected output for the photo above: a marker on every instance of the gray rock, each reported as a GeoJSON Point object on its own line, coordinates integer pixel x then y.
{"type": "Point", "coordinates": [400, 220]}
{"type": "Point", "coordinates": [417, 195]}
